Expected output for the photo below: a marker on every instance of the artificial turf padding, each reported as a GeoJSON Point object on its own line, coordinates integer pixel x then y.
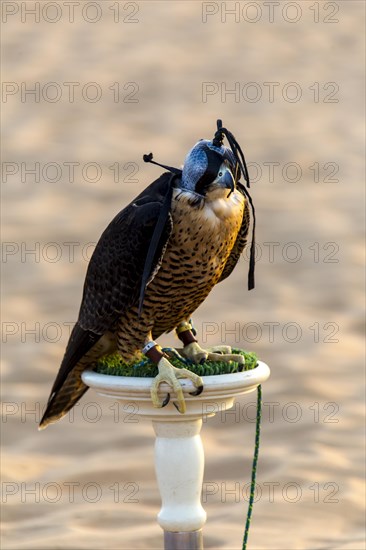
{"type": "Point", "coordinates": [144, 368]}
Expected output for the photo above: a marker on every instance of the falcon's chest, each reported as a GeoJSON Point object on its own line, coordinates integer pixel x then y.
{"type": "Point", "coordinates": [202, 239]}
{"type": "Point", "coordinates": [204, 234]}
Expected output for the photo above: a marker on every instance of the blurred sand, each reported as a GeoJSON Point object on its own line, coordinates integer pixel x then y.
{"type": "Point", "coordinates": [311, 452]}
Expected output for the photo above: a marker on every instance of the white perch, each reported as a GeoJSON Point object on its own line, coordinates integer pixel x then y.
{"type": "Point", "coordinates": [179, 457]}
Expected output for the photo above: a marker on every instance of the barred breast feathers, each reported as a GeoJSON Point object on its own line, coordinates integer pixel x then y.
{"type": "Point", "coordinates": [215, 208]}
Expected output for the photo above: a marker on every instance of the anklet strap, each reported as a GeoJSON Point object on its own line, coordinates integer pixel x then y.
{"type": "Point", "coordinates": [149, 346]}
{"type": "Point", "coordinates": [182, 327]}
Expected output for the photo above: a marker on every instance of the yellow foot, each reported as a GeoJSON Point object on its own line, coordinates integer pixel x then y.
{"type": "Point", "coordinates": [170, 375]}
{"type": "Point", "coordinates": [195, 353]}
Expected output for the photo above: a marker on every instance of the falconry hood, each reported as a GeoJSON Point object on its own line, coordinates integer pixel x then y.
{"type": "Point", "coordinates": [201, 167]}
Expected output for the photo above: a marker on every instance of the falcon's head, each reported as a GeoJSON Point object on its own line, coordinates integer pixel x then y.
{"type": "Point", "coordinates": [209, 167]}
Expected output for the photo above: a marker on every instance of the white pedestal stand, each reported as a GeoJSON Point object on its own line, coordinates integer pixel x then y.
{"type": "Point", "coordinates": [179, 458]}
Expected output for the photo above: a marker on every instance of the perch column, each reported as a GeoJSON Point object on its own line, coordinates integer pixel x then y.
{"type": "Point", "coordinates": [179, 463]}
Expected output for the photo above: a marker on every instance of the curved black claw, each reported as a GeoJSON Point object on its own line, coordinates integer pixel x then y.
{"type": "Point", "coordinates": [198, 391]}
{"type": "Point", "coordinates": [240, 368]}
{"type": "Point", "coordinates": [176, 406]}
{"type": "Point", "coordinates": [203, 361]}
{"type": "Point", "coordinates": [166, 400]}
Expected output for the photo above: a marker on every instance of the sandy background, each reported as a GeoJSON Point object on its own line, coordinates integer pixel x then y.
{"type": "Point", "coordinates": [89, 482]}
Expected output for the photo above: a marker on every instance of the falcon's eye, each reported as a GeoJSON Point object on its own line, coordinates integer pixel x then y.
{"type": "Point", "coordinates": [220, 174]}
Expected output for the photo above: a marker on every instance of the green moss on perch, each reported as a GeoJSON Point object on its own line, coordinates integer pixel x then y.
{"type": "Point", "coordinates": [143, 368]}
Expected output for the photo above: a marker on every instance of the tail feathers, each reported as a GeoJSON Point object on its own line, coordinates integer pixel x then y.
{"type": "Point", "coordinates": [83, 349]}
{"type": "Point", "coordinates": [65, 398]}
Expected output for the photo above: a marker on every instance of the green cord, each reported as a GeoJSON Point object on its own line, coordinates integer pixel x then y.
{"type": "Point", "coordinates": [254, 465]}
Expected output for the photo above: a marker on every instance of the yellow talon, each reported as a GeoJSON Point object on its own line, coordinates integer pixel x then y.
{"type": "Point", "coordinates": [170, 374]}
{"type": "Point", "coordinates": [195, 353]}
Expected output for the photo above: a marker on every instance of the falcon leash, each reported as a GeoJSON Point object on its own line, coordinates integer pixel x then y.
{"type": "Point", "coordinates": [254, 467]}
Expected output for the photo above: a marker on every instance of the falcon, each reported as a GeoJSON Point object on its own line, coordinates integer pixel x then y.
{"type": "Point", "coordinates": [155, 263]}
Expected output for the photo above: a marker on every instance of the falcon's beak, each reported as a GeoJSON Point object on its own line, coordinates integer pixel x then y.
{"type": "Point", "coordinates": [225, 178]}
